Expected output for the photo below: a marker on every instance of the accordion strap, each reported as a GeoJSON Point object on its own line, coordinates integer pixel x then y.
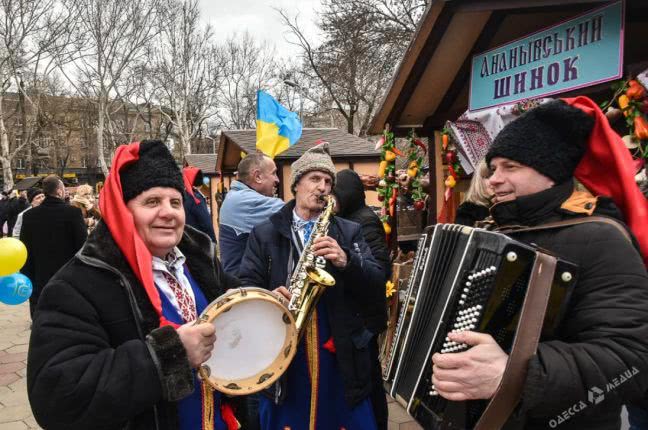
{"type": "Point", "coordinates": [524, 346]}
{"type": "Point", "coordinates": [567, 223]}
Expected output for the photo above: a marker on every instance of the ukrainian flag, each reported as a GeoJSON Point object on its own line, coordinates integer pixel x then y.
{"type": "Point", "coordinates": [277, 128]}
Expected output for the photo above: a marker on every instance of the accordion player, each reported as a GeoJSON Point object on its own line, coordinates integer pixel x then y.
{"type": "Point", "coordinates": [472, 279]}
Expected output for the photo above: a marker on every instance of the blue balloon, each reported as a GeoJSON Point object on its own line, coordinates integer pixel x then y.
{"type": "Point", "coordinates": [206, 180]}
{"type": "Point", "coordinates": [15, 289]}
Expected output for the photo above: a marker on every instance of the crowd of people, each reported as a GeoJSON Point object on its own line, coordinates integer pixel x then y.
{"type": "Point", "coordinates": [115, 343]}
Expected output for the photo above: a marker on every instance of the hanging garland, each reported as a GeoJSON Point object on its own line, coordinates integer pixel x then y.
{"type": "Point", "coordinates": [387, 186]}
{"type": "Point", "coordinates": [408, 184]}
{"type": "Point", "coordinates": [411, 182]}
{"type": "Point", "coordinates": [630, 101]}
{"type": "Point", "coordinates": [449, 154]}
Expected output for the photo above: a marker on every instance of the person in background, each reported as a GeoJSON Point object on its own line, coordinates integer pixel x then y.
{"type": "Point", "coordinates": [350, 198]}
{"type": "Point", "coordinates": [4, 201]}
{"type": "Point", "coordinates": [476, 204]}
{"type": "Point", "coordinates": [195, 204]}
{"type": "Point", "coordinates": [17, 204]}
{"type": "Point", "coordinates": [52, 232]}
{"type": "Point", "coordinates": [114, 343]}
{"type": "Point", "coordinates": [249, 202]}
{"type": "Point", "coordinates": [35, 197]}
{"type": "Point", "coordinates": [84, 199]}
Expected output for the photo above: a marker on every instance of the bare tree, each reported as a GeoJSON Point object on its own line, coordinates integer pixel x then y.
{"type": "Point", "coordinates": [187, 68]}
{"type": "Point", "coordinates": [250, 66]}
{"type": "Point", "coordinates": [351, 67]}
{"type": "Point", "coordinates": [392, 21]}
{"type": "Point", "coordinates": [115, 34]}
{"type": "Point", "coordinates": [33, 33]}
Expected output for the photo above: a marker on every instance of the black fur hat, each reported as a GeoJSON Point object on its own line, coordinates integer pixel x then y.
{"type": "Point", "coordinates": [551, 139]}
{"type": "Point", "coordinates": [155, 167]}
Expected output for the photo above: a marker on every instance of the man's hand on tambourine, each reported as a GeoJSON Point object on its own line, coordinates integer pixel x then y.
{"type": "Point", "coordinates": [282, 294]}
{"type": "Point", "coordinates": [472, 374]}
{"type": "Point", "coordinates": [198, 341]}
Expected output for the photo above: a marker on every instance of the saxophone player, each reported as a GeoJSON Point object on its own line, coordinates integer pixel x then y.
{"type": "Point", "coordinates": [327, 386]}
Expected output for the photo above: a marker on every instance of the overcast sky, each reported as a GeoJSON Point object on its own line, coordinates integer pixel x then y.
{"type": "Point", "coordinates": [259, 19]}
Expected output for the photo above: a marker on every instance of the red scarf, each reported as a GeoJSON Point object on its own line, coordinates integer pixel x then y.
{"type": "Point", "coordinates": [122, 227]}
{"type": "Point", "coordinates": [189, 174]}
{"type": "Point", "coordinates": [608, 169]}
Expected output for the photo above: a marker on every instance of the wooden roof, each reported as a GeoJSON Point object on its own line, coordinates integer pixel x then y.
{"type": "Point", "coordinates": [431, 84]}
{"type": "Point", "coordinates": [205, 162]}
{"type": "Point", "coordinates": [343, 145]}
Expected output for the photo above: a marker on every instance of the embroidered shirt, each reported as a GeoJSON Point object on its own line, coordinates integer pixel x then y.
{"type": "Point", "coordinates": [173, 265]}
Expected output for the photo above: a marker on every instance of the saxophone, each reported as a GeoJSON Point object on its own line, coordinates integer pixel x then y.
{"type": "Point", "coordinates": [309, 281]}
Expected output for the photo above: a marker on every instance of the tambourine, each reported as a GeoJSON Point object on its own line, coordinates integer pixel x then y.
{"type": "Point", "coordinates": [256, 339]}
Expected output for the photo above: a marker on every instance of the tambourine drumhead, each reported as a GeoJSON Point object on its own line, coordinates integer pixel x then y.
{"type": "Point", "coordinates": [256, 340]}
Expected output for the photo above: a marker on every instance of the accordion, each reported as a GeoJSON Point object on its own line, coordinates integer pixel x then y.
{"type": "Point", "coordinates": [472, 279]}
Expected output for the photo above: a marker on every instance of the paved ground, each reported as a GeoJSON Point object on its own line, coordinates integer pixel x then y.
{"type": "Point", "coordinates": [15, 413]}
{"type": "Point", "coordinates": [398, 418]}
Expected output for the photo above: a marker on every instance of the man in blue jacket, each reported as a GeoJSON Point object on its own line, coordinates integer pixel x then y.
{"type": "Point", "coordinates": [329, 381]}
{"type": "Point", "coordinates": [249, 202]}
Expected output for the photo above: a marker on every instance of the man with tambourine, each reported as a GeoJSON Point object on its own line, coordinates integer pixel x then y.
{"type": "Point", "coordinates": [328, 383]}
{"type": "Point", "coordinates": [114, 343]}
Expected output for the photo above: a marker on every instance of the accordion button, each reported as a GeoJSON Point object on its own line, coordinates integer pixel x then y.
{"type": "Point", "coordinates": [566, 277]}
{"type": "Point", "coordinates": [511, 256]}
{"type": "Point", "coordinates": [461, 302]}
{"type": "Point", "coordinates": [468, 284]}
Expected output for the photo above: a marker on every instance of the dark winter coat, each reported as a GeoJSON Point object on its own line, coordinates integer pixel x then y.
{"type": "Point", "coordinates": [266, 264]}
{"type": "Point", "coordinates": [469, 213]}
{"type": "Point", "coordinates": [4, 204]}
{"type": "Point", "coordinates": [197, 215]}
{"type": "Point", "coordinates": [604, 333]}
{"type": "Point", "coordinates": [14, 207]}
{"type": "Point", "coordinates": [52, 232]}
{"type": "Point", "coordinates": [350, 195]}
{"type": "Point", "coordinates": [97, 359]}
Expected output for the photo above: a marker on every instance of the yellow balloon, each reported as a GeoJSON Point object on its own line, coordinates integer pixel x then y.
{"type": "Point", "coordinates": [13, 255]}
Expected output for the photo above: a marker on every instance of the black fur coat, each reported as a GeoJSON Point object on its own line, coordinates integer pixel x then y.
{"type": "Point", "coordinates": [97, 358]}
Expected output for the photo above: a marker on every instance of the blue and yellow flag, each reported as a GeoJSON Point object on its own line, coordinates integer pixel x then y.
{"type": "Point", "coordinates": [277, 128]}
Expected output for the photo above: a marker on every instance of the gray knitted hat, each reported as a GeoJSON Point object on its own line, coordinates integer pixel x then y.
{"type": "Point", "coordinates": [316, 158]}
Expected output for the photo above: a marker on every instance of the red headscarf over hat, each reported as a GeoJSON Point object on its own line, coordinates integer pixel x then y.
{"type": "Point", "coordinates": [120, 222]}
{"type": "Point", "coordinates": [189, 174]}
{"type": "Point", "coordinates": [607, 169]}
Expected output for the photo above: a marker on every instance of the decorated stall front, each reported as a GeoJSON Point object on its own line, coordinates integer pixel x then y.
{"type": "Point", "coordinates": [475, 66]}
